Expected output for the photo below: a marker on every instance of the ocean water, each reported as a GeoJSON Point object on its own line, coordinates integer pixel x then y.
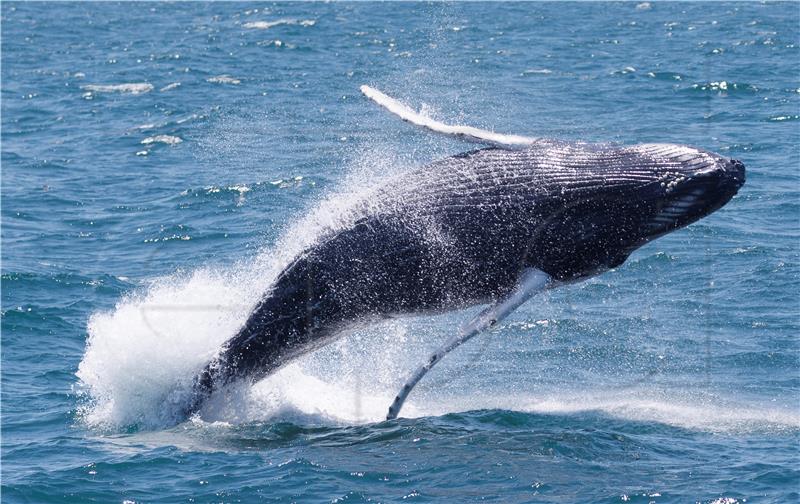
{"type": "Point", "coordinates": [162, 162]}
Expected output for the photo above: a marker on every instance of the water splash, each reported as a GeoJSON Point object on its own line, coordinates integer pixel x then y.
{"type": "Point", "coordinates": [142, 356]}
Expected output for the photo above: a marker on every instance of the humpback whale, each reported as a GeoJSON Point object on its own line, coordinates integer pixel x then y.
{"type": "Point", "coordinates": [492, 226]}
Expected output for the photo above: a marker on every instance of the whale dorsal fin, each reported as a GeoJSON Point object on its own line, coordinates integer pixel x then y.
{"type": "Point", "coordinates": [408, 114]}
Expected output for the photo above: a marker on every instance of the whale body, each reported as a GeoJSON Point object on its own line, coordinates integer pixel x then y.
{"type": "Point", "coordinates": [464, 231]}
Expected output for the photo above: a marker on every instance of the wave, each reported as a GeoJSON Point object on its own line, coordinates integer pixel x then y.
{"type": "Point", "coordinates": [667, 76]}
{"type": "Point", "coordinates": [785, 117]}
{"type": "Point", "coordinates": [165, 139]}
{"type": "Point", "coordinates": [296, 396]}
{"type": "Point", "coordinates": [224, 79]}
{"type": "Point", "coordinates": [132, 88]}
{"type": "Point", "coordinates": [265, 25]}
{"type": "Point", "coordinates": [705, 414]}
{"type": "Point", "coordinates": [168, 87]}
{"type": "Point", "coordinates": [725, 87]}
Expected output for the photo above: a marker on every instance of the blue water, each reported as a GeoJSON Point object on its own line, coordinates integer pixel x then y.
{"type": "Point", "coordinates": [141, 222]}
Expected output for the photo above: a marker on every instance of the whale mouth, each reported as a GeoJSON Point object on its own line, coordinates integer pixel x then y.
{"type": "Point", "coordinates": [692, 197]}
{"type": "Point", "coordinates": [676, 211]}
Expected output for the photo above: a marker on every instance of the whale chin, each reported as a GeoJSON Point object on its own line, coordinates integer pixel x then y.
{"type": "Point", "coordinates": [691, 197]}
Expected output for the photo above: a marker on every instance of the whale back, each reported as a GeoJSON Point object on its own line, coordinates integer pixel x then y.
{"type": "Point", "coordinates": [570, 209]}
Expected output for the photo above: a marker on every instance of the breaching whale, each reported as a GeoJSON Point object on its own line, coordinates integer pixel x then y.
{"type": "Point", "coordinates": [490, 226]}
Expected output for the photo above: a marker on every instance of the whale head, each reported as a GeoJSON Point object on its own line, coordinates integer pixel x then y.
{"type": "Point", "coordinates": [622, 203]}
{"type": "Point", "coordinates": [685, 196]}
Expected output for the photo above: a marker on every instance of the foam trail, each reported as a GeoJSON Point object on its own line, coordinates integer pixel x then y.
{"type": "Point", "coordinates": [645, 405]}
{"type": "Point", "coordinates": [470, 133]}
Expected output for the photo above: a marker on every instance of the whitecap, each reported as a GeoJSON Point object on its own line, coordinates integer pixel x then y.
{"type": "Point", "coordinates": [165, 139]}
{"type": "Point", "coordinates": [224, 79]}
{"type": "Point", "coordinates": [265, 25]}
{"type": "Point", "coordinates": [132, 88]}
{"type": "Point", "coordinates": [670, 408]}
{"type": "Point", "coordinates": [240, 188]}
{"type": "Point", "coordinates": [170, 86]}
{"type": "Point", "coordinates": [784, 118]}
{"type": "Point", "coordinates": [541, 71]}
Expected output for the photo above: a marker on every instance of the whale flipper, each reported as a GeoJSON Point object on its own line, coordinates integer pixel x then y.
{"type": "Point", "coordinates": [531, 282]}
{"type": "Point", "coordinates": [469, 133]}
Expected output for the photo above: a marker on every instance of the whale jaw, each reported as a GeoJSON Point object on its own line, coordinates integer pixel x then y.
{"type": "Point", "coordinates": [693, 196]}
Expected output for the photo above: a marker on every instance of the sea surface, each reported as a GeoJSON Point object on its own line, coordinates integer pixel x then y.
{"type": "Point", "coordinates": [161, 162]}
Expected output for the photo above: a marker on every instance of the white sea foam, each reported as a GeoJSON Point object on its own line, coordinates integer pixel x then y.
{"type": "Point", "coordinates": [132, 88]}
{"type": "Point", "coordinates": [265, 25]}
{"type": "Point", "coordinates": [366, 384]}
{"type": "Point", "coordinates": [542, 71]}
{"type": "Point", "coordinates": [165, 139]}
{"type": "Point", "coordinates": [142, 355]}
{"type": "Point", "coordinates": [680, 410]}
{"type": "Point", "coordinates": [224, 79]}
{"type": "Point", "coordinates": [297, 395]}
{"type": "Point", "coordinates": [170, 86]}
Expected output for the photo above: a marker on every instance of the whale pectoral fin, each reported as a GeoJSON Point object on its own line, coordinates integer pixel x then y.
{"type": "Point", "coordinates": [469, 133]}
{"type": "Point", "coordinates": [531, 281]}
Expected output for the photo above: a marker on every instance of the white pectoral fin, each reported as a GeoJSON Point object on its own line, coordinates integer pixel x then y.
{"type": "Point", "coordinates": [408, 114]}
{"type": "Point", "coordinates": [531, 282]}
